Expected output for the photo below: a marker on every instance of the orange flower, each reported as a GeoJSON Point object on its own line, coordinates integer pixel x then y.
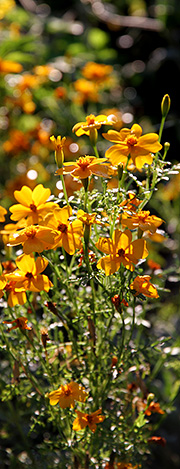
{"type": "Point", "coordinates": [19, 322]}
{"type": "Point", "coordinates": [85, 166]}
{"type": "Point", "coordinates": [157, 439]}
{"type": "Point", "coordinates": [14, 298]}
{"type": "Point", "coordinates": [3, 212]}
{"type": "Point", "coordinates": [92, 123]}
{"type": "Point", "coordinates": [130, 142]}
{"type": "Point", "coordinates": [87, 219]}
{"type": "Point", "coordinates": [34, 238]}
{"type": "Point", "coordinates": [32, 204]}
{"type": "Point", "coordinates": [86, 91]}
{"type": "Point", "coordinates": [8, 266]}
{"type": "Point", "coordinates": [153, 265]}
{"type": "Point", "coordinates": [68, 234]}
{"type": "Point", "coordinates": [8, 66]}
{"type": "Point", "coordinates": [131, 203]}
{"type": "Point", "coordinates": [141, 219]}
{"type": "Point", "coordinates": [27, 276]}
{"type": "Point", "coordinates": [127, 465]}
{"type": "Point", "coordinates": [97, 72]}
{"type": "Point", "coordinates": [83, 420]}
{"type": "Point", "coordinates": [142, 285]}
{"type": "Point", "coordinates": [121, 249]}
{"type": "Point", "coordinates": [67, 395]}
{"type": "Point", "coordinates": [18, 141]}
{"type": "Point", "coordinates": [154, 407]}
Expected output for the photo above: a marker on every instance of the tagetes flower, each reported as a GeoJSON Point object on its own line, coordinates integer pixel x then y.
{"type": "Point", "coordinates": [142, 284]}
{"type": "Point", "coordinates": [19, 322]}
{"type": "Point", "coordinates": [33, 238]}
{"type": "Point", "coordinates": [58, 144]}
{"type": "Point", "coordinates": [85, 166]}
{"type": "Point", "coordinates": [8, 266]}
{"type": "Point", "coordinates": [142, 220]}
{"type": "Point", "coordinates": [83, 420]}
{"type": "Point", "coordinates": [154, 407]}
{"type": "Point", "coordinates": [120, 249]}
{"type": "Point", "coordinates": [92, 122]}
{"type": "Point", "coordinates": [3, 212]}
{"type": "Point", "coordinates": [6, 5]}
{"type": "Point", "coordinates": [131, 203]}
{"type": "Point", "coordinates": [14, 297]}
{"type": "Point", "coordinates": [32, 204]}
{"type": "Point", "coordinates": [87, 218]}
{"type": "Point", "coordinates": [8, 66]}
{"type": "Point", "coordinates": [86, 91]}
{"type": "Point", "coordinates": [67, 395]}
{"type": "Point", "coordinates": [18, 141]}
{"type": "Point", "coordinates": [98, 73]}
{"type": "Point", "coordinates": [28, 274]}
{"type": "Point", "coordinates": [68, 234]}
{"type": "Point", "coordinates": [131, 142]}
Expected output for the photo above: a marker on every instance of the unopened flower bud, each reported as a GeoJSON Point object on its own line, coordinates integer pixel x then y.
{"type": "Point", "coordinates": [165, 105]}
{"type": "Point", "coordinates": [58, 144]}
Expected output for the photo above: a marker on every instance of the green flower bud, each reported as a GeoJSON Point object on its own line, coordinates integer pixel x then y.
{"type": "Point", "coordinates": [165, 105]}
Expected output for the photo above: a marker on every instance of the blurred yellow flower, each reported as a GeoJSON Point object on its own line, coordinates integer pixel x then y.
{"type": "Point", "coordinates": [67, 395]}
{"type": "Point", "coordinates": [83, 420]}
{"type": "Point", "coordinates": [5, 6]}
{"type": "Point", "coordinates": [142, 284]}
{"type": "Point", "coordinates": [3, 212]}
{"type": "Point", "coordinates": [131, 142]}
{"type": "Point", "coordinates": [86, 91]}
{"type": "Point", "coordinates": [99, 73]}
{"type": "Point", "coordinates": [8, 66]}
{"type": "Point", "coordinates": [121, 249]}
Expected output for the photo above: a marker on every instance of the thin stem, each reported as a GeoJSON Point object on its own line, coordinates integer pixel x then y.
{"type": "Point", "coordinates": [64, 189]}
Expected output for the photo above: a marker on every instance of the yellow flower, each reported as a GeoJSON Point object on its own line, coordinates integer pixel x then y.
{"type": "Point", "coordinates": [27, 276]}
{"type": "Point", "coordinates": [83, 420]}
{"type": "Point", "coordinates": [87, 218]}
{"type": "Point", "coordinates": [3, 212]}
{"type": "Point", "coordinates": [6, 5]}
{"type": "Point", "coordinates": [141, 219]}
{"type": "Point", "coordinates": [85, 166]}
{"type": "Point", "coordinates": [154, 407]}
{"type": "Point", "coordinates": [131, 203]}
{"type": "Point", "coordinates": [97, 72]}
{"type": "Point", "coordinates": [86, 91]}
{"type": "Point", "coordinates": [143, 285]}
{"type": "Point", "coordinates": [14, 298]}
{"type": "Point", "coordinates": [92, 122]}
{"type": "Point", "coordinates": [67, 395]}
{"type": "Point", "coordinates": [68, 234]}
{"type": "Point", "coordinates": [34, 238]}
{"type": "Point", "coordinates": [121, 249]}
{"type": "Point", "coordinates": [8, 66]}
{"type": "Point", "coordinates": [32, 204]}
{"type": "Point", "coordinates": [19, 322]}
{"type": "Point", "coordinates": [131, 142]}
{"type": "Point", "coordinates": [58, 144]}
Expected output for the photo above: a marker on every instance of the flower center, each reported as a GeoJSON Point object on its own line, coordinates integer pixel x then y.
{"type": "Point", "coordinates": [29, 275]}
{"type": "Point", "coordinates": [62, 227]}
{"type": "Point", "coordinates": [83, 162]}
{"type": "Point", "coordinates": [89, 418]}
{"type": "Point", "coordinates": [33, 207]}
{"type": "Point", "coordinates": [132, 140]}
{"type": "Point", "coordinates": [121, 252]}
{"type": "Point", "coordinates": [67, 390]}
{"type": "Point", "coordinates": [90, 119]}
{"type": "Point", "coordinates": [30, 232]}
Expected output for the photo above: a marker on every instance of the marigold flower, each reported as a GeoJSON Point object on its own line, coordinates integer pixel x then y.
{"type": "Point", "coordinates": [131, 142]}
{"type": "Point", "coordinates": [86, 91]}
{"type": "Point", "coordinates": [67, 395]}
{"type": "Point", "coordinates": [92, 122]}
{"type": "Point", "coordinates": [153, 265]}
{"type": "Point", "coordinates": [154, 407]}
{"type": "Point", "coordinates": [85, 166]}
{"type": "Point", "coordinates": [83, 420]}
{"type": "Point", "coordinates": [143, 285]}
{"type": "Point", "coordinates": [14, 297]}
{"type": "Point", "coordinates": [121, 249]}
{"type": "Point", "coordinates": [141, 219]}
{"type": "Point", "coordinates": [97, 72]}
{"type": "Point", "coordinates": [8, 66]}
{"type": "Point", "coordinates": [32, 204]}
{"type": "Point", "coordinates": [3, 212]}
{"type": "Point", "coordinates": [34, 238]}
{"type": "Point", "coordinates": [131, 203]}
{"type": "Point", "coordinates": [28, 275]}
{"type": "Point", "coordinates": [8, 266]}
{"type": "Point", "coordinates": [58, 144]}
{"type": "Point", "coordinates": [68, 234]}
{"type": "Point", "coordinates": [18, 141]}
{"type": "Point", "coordinates": [19, 322]}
